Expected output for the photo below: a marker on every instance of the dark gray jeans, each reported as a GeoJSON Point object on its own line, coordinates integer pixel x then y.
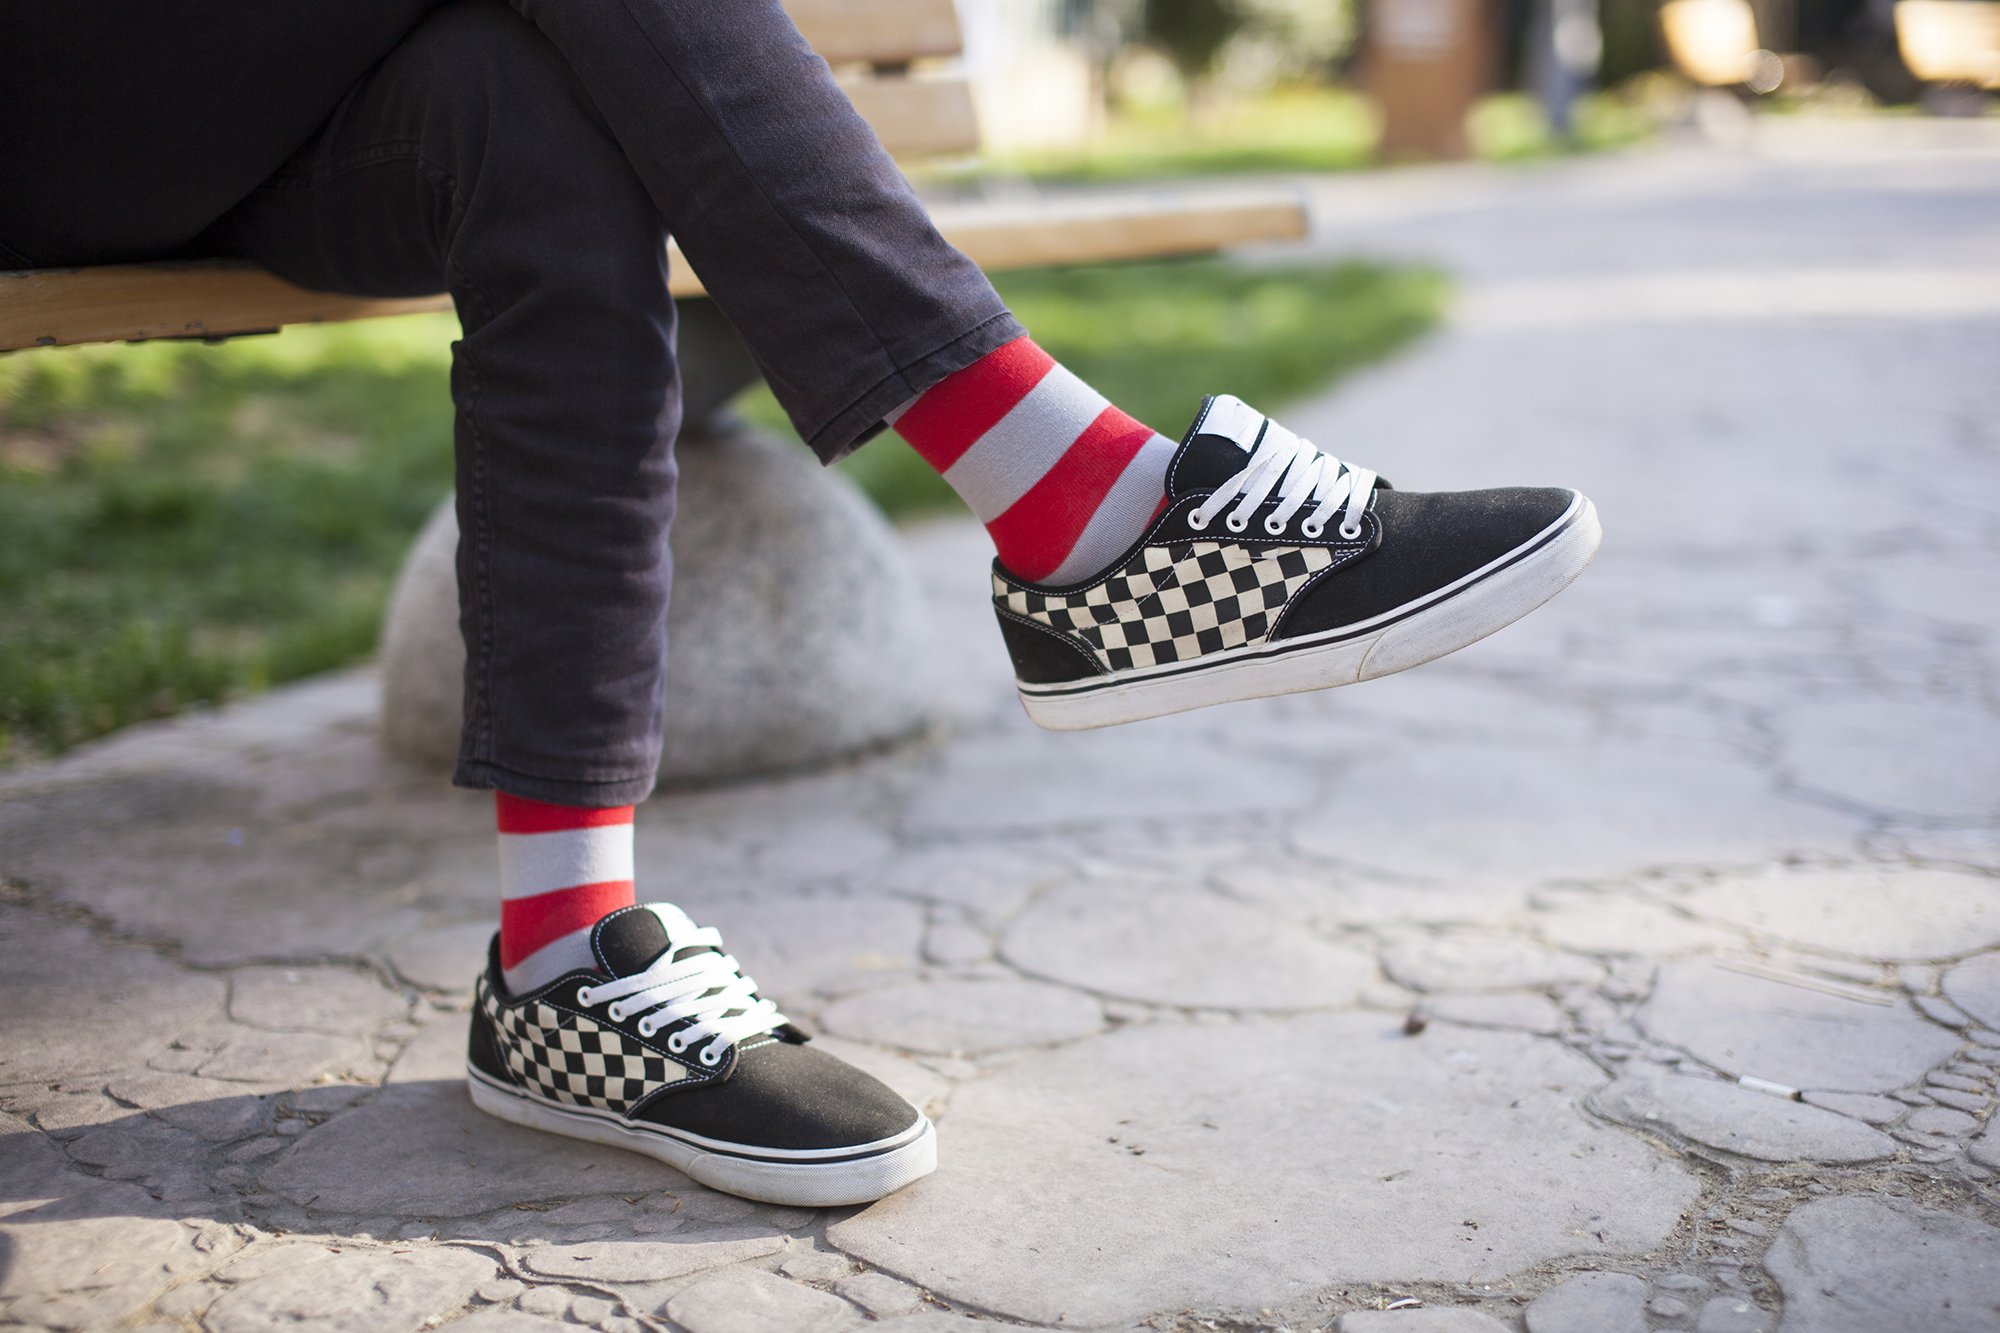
{"type": "Point", "coordinates": [529, 159]}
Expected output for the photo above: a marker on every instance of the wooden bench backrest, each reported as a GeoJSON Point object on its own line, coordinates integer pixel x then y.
{"type": "Point", "coordinates": [871, 44]}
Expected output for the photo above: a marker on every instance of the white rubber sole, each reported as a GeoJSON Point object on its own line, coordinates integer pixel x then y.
{"type": "Point", "coordinates": [1488, 599]}
{"type": "Point", "coordinates": [882, 1169]}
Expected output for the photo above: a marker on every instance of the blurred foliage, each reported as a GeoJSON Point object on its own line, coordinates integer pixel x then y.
{"type": "Point", "coordinates": [1249, 45]}
{"type": "Point", "coordinates": [186, 523]}
{"type": "Point", "coordinates": [1296, 129]}
{"type": "Point", "coordinates": [1512, 127]}
{"type": "Point", "coordinates": [1304, 128]}
{"type": "Point", "coordinates": [1192, 33]}
{"type": "Point", "coordinates": [1632, 42]}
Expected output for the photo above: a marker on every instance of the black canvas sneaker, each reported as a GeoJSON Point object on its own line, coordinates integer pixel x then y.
{"type": "Point", "coordinates": [1276, 568]}
{"type": "Point", "coordinates": [670, 1051]}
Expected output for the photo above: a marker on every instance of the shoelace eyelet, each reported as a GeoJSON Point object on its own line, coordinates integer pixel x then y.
{"type": "Point", "coordinates": [585, 996]}
{"type": "Point", "coordinates": [1349, 533]}
{"type": "Point", "coordinates": [1196, 521]}
{"type": "Point", "coordinates": [646, 1028]}
{"type": "Point", "coordinates": [1235, 524]}
{"type": "Point", "coordinates": [709, 1057]}
{"type": "Point", "coordinates": [616, 1013]}
{"type": "Point", "coordinates": [1273, 526]}
{"type": "Point", "coordinates": [1312, 529]}
{"type": "Point", "coordinates": [675, 1044]}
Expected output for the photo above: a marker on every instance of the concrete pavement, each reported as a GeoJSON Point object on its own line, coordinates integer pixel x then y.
{"type": "Point", "coordinates": [1638, 968]}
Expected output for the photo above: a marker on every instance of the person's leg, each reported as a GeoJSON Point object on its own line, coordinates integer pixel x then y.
{"type": "Point", "coordinates": [133, 125]}
{"type": "Point", "coordinates": [781, 197]}
{"type": "Point", "coordinates": [472, 158]}
{"type": "Point", "coordinates": [469, 159]}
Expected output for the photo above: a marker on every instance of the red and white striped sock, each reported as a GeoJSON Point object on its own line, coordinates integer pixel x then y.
{"type": "Point", "coordinates": [1063, 481]}
{"type": "Point", "coordinates": [561, 868]}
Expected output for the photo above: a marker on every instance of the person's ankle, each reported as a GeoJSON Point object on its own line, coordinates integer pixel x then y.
{"type": "Point", "coordinates": [562, 869]}
{"type": "Point", "coordinates": [1064, 481]}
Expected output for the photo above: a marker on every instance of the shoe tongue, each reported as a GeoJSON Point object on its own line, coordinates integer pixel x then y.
{"type": "Point", "coordinates": [1217, 445]}
{"type": "Point", "coordinates": [632, 938]}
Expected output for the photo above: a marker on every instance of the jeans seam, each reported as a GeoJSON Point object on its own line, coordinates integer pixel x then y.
{"type": "Point", "coordinates": [482, 537]}
{"type": "Point", "coordinates": [481, 719]}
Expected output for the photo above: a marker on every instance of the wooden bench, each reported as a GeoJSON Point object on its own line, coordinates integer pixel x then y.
{"type": "Point", "coordinates": [762, 693]}
{"type": "Point", "coordinates": [884, 51]}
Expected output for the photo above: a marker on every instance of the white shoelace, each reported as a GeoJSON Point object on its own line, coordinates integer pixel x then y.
{"type": "Point", "coordinates": [706, 987]}
{"type": "Point", "coordinates": [1299, 472]}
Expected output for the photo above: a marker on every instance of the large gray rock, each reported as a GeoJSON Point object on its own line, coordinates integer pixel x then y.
{"type": "Point", "coordinates": [796, 630]}
{"type": "Point", "coordinates": [1168, 1175]}
{"type": "Point", "coordinates": [1867, 1265]}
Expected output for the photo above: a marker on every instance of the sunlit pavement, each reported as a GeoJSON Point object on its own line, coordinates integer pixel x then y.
{"type": "Point", "coordinates": [1640, 966]}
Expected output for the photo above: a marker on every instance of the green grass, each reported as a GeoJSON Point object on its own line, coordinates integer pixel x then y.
{"type": "Point", "coordinates": [1511, 127]}
{"type": "Point", "coordinates": [184, 524]}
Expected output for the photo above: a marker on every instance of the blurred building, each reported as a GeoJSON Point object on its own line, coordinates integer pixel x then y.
{"type": "Point", "coordinates": [1033, 88]}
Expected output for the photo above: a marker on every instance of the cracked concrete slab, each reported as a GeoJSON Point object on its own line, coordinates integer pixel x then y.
{"type": "Point", "coordinates": [1352, 1152]}
{"type": "Point", "coordinates": [1862, 1265]}
{"type": "Point", "coordinates": [135, 1003]}
{"type": "Point", "coordinates": [1876, 912]}
{"type": "Point", "coordinates": [1740, 1120]}
{"type": "Point", "coordinates": [1791, 1031]}
{"type": "Point", "coordinates": [1199, 950]}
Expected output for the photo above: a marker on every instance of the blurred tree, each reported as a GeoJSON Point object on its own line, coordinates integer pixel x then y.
{"type": "Point", "coordinates": [1191, 33]}
{"type": "Point", "coordinates": [1300, 38]}
{"type": "Point", "coordinates": [1631, 39]}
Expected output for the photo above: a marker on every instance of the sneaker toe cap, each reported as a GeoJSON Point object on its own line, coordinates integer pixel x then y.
{"type": "Point", "coordinates": [1429, 541]}
{"type": "Point", "coordinates": [788, 1097]}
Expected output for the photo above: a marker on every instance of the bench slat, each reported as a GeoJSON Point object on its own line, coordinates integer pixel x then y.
{"type": "Point", "coordinates": [212, 298]}
{"type": "Point", "coordinates": [918, 117]}
{"type": "Point", "coordinates": [883, 32]}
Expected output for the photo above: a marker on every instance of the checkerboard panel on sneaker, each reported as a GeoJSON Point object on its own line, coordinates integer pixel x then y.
{"type": "Point", "coordinates": [572, 1059]}
{"type": "Point", "coordinates": [1175, 603]}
